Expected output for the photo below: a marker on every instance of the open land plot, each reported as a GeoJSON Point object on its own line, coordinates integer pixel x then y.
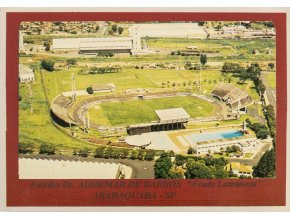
{"type": "Point", "coordinates": [226, 47]}
{"type": "Point", "coordinates": [142, 111]}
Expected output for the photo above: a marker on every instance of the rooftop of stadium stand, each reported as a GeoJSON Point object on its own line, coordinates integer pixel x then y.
{"type": "Point", "coordinates": [172, 114]}
{"type": "Point", "coordinates": [59, 107]}
{"type": "Point", "coordinates": [24, 69]}
{"type": "Point", "coordinates": [232, 95]}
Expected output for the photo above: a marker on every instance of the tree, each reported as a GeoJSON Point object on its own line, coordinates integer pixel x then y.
{"type": "Point", "coordinates": [203, 59]}
{"type": "Point", "coordinates": [175, 175]}
{"type": "Point", "coordinates": [83, 152]}
{"type": "Point", "coordinates": [201, 23]}
{"type": "Point", "coordinates": [71, 61]}
{"type": "Point", "coordinates": [99, 152]}
{"type": "Point", "coordinates": [219, 172]}
{"type": "Point", "coordinates": [120, 30]}
{"type": "Point", "coordinates": [47, 65]}
{"type": "Point", "coordinates": [149, 155]}
{"type": "Point", "coordinates": [97, 28]}
{"type": "Point", "coordinates": [114, 28]}
{"type": "Point", "coordinates": [162, 166]}
{"type": "Point", "coordinates": [230, 67]}
{"type": "Point", "coordinates": [47, 149]}
{"type": "Point", "coordinates": [271, 65]}
{"type": "Point", "coordinates": [190, 150]}
{"type": "Point", "coordinates": [25, 148]}
{"type": "Point", "coordinates": [266, 166]}
{"type": "Point", "coordinates": [47, 46]}
{"type": "Point", "coordinates": [197, 170]}
{"type": "Point", "coordinates": [134, 155]}
{"type": "Point", "coordinates": [90, 90]}
{"type": "Point", "coordinates": [180, 160]}
{"type": "Point", "coordinates": [262, 133]}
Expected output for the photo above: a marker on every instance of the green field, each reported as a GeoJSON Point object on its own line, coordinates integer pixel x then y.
{"type": "Point", "coordinates": [142, 111]}
{"type": "Point", "coordinates": [271, 77]}
{"type": "Point", "coordinates": [35, 126]}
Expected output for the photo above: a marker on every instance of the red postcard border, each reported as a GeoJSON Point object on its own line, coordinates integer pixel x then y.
{"type": "Point", "coordinates": [268, 192]}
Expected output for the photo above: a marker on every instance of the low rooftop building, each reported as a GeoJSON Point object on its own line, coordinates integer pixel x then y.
{"type": "Point", "coordinates": [240, 169]}
{"type": "Point", "coordinates": [26, 74]}
{"type": "Point", "coordinates": [61, 169]}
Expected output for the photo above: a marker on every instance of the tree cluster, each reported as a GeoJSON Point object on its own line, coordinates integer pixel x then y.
{"type": "Point", "coordinates": [47, 65]}
{"type": "Point", "coordinates": [207, 168]}
{"type": "Point", "coordinates": [271, 119]}
{"type": "Point", "coordinates": [253, 72]}
{"type": "Point", "coordinates": [195, 167]}
{"type": "Point", "coordinates": [25, 148]}
{"type": "Point", "coordinates": [123, 153]}
{"type": "Point", "coordinates": [260, 130]}
{"type": "Point", "coordinates": [266, 166]}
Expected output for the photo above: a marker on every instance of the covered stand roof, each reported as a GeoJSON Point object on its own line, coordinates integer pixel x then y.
{"type": "Point", "coordinates": [60, 106]}
{"type": "Point", "coordinates": [172, 115]}
{"type": "Point", "coordinates": [232, 95]}
{"type": "Point", "coordinates": [24, 70]}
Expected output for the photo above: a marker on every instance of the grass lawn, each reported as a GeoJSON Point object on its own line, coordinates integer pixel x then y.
{"type": "Point", "coordinates": [60, 80]}
{"type": "Point", "coordinates": [271, 77]}
{"type": "Point", "coordinates": [142, 111]}
{"type": "Point", "coordinates": [36, 128]}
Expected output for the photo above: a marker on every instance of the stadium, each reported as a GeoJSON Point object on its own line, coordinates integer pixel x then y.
{"type": "Point", "coordinates": [167, 119]}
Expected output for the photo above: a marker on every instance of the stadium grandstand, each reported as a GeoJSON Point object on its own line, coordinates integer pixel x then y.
{"type": "Point", "coordinates": [234, 97]}
{"type": "Point", "coordinates": [59, 108]}
{"type": "Point", "coordinates": [169, 119]}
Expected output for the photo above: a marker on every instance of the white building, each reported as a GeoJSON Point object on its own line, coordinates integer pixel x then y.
{"type": "Point", "coordinates": [131, 45]}
{"type": "Point", "coordinates": [21, 42]}
{"type": "Point", "coordinates": [173, 30]}
{"type": "Point", "coordinates": [228, 30]}
{"type": "Point", "coordinates": [60, 169]}
{"type": "Point", "coordinates": [245, 144]}
{"type": "Point", "coordinates": [25, 74]}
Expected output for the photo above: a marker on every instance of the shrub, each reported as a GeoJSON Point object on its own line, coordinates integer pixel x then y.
{"type": "Point", "coordinates": [90, 90]}
{"type": "Point", "coordinates": [47, 149]}
{"type": "Point", "coordinates": [71, 61]}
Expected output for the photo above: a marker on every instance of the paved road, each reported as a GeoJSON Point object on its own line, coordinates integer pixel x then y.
{"type": "Point", "coordinates": [269, 90]}
{"type": "Point", "coordinates": [141, 169]}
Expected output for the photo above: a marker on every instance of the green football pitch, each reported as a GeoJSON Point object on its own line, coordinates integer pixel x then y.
{"type": "Point", "coordinates": [142, 111]}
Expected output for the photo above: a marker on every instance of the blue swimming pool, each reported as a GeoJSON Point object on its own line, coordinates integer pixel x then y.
{"type": "Point", "coordinates": [214, 136]}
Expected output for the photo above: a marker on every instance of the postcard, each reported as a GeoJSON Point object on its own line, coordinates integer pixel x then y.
{"type": "Point", "coordinates": [146, 109]}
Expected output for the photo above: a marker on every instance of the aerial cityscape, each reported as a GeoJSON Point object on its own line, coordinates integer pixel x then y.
{"type": "Point", "coordinates": [151, 100]}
